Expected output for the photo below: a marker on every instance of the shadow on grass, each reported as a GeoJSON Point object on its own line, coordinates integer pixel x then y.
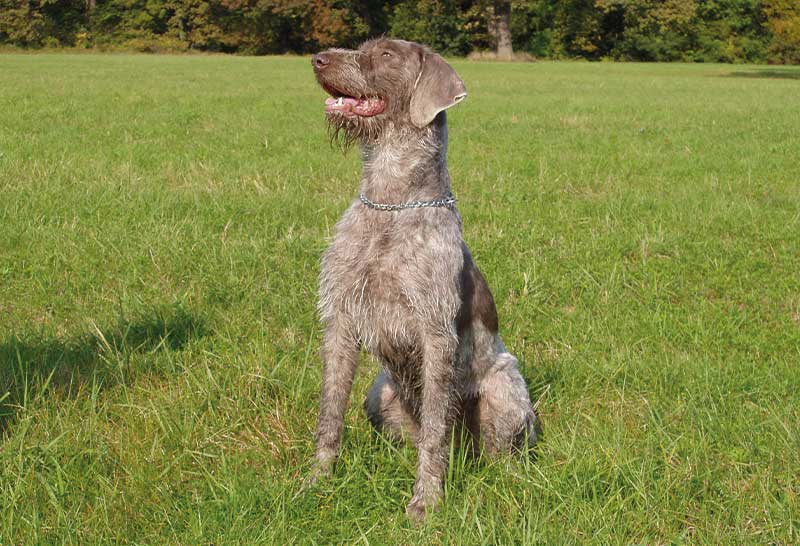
{"type": "Point", "coordinates": [768, 73]}
{"type": "Point", "coordinates": [31, 366]}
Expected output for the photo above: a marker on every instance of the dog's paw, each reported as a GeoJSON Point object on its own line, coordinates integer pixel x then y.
{"type": "Point", "coordinates": [529, 434]}
{"type": "Point", "coordinates": [319, 472]}
{"type": "Point", "coordinates": [416, 511]}
{"type": "Point", "coordinates": [423, 503]}
{"type": "Point", "coordinates": [426, 498]}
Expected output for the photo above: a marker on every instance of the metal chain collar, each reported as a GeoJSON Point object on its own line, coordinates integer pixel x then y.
{"type": "Point", "coordinates": [442, 202]}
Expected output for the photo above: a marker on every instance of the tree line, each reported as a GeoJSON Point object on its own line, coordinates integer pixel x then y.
{"type": "Point", "coordinates": [637, 30]}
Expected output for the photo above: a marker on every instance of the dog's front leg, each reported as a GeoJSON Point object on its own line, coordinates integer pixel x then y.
{"type": "Point", "coordinates": [340, 357]}
{"type": "Point", "coordinates": [436, 413]}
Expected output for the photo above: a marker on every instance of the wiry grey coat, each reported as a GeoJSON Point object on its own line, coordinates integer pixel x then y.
{"type": "Point", "coordinates": [402, 284]}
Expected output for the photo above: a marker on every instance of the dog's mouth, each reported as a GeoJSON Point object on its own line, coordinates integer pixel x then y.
{"type": "Point", "coordinates": [349, 106]}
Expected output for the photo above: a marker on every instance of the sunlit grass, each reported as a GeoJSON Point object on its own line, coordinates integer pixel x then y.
{"type": "Point", "coordinates": [162, 220]}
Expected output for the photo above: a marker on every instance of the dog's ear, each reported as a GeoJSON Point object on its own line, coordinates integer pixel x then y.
{"type": "Point", "coordinates": [438, 87]}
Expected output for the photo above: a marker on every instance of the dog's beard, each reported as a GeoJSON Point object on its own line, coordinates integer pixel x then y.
{"type": "Point", "coordinates": [346, 131]}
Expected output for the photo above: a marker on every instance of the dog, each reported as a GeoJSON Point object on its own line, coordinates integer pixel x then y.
{"type": "Point", "coordinates": [398, 279]}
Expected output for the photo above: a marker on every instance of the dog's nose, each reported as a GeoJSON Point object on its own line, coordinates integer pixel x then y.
{"type": "Point", "coordinates": [320, 61]}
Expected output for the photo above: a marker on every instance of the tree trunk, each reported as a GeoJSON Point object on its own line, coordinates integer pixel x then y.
{"type": "Point", "coordinates": [502, 14]}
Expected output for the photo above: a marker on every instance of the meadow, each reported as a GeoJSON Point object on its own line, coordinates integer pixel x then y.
{"type": "Point", "coordinates": [162, 218]}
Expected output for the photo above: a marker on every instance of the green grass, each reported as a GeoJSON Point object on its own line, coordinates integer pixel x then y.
{"type": "Point", "coordinates": [162, 220]}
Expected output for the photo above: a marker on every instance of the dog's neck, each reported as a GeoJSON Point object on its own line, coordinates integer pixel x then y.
{"type": "Point", "coordinates": [407, 165]}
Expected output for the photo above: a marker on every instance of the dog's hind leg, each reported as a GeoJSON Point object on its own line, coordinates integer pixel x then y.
{"type": "Point", "coordinates": [387, 412]}
{"type": "Point", "coordinates": [506, 417]}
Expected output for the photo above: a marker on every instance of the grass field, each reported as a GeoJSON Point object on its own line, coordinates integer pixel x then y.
{"type": "Point", "coordinates": [162, 220]}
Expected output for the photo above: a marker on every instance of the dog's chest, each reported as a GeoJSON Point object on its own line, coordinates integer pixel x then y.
{"type": "Point", "coordinates": [381, 262]}
{"type": "Point", "coordinates": [390, 272]}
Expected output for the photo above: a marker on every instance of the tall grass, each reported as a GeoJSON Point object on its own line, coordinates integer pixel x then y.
{"type": "Point", "coordinates": [162, 220]}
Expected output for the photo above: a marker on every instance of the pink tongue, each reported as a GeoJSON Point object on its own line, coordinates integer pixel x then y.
{"type": "Point", "coordinates": [355, 107]}
{"type": "Point", "coordinates": [346, 105]}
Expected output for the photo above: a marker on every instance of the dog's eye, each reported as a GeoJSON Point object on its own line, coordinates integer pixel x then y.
{"type": "Point", "coordinates": [386, 54]}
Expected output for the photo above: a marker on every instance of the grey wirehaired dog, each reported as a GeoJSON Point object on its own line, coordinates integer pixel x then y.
{"type": "Point", "coordinates": [398, 279]}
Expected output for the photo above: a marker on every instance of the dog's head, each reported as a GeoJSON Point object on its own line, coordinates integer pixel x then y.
{"type": "Point", "coordinates": [385, 81]}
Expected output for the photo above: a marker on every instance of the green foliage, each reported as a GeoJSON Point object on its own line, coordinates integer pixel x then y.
{"type": "Point", "coordinates": [657, 30]}
{"type": "Point", "coordinates": [732, 31]}
{"type": "Point", "coordinates": [531, 27]}
{"type": "Point", "coordinates": [37, 23]}
{"type": "Point", "coordinates": [639, 30]}
{"type": "Point", "coordinates": [689, 30]}
{"type": "Point", "coordinates": [584, 28]}
{"type": "Point", "coordinates": [783, 19]}
{"type": "Point", "coordinates": [137, 22]}
{"type": "Point", "coordinates": [439, 23]}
